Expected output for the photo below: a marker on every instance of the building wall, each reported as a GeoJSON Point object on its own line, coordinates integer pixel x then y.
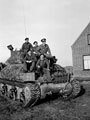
{"type": "Point", "coordinates": [79, 49]}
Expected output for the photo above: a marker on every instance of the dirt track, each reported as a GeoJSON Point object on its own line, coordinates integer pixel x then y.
{"type": "Point", "coordinates": [50, 109]}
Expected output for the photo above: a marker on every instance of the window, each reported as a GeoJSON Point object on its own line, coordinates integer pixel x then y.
{"type": "Point", "coordinates": [86, 62]}
{"type": "Point", "coordinates": [88, 38]}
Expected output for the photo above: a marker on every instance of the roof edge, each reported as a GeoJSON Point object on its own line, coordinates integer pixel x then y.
{"type": "Point", "coordinates": [80, 34]}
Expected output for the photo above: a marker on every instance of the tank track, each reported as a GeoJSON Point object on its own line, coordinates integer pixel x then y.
{"type": "Point", "coordinates": [20, 93]}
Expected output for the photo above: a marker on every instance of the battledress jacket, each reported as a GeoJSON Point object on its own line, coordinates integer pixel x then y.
{"type": "Point", "coordinates": [36, 50]}
{"type": "Point", "coordinates": [43, 63]}
{"type": "Point", "coordinates": [44, 49]}
{"type": "Point", "coordinates": [26, 47]}
{"type": "Point", "coordinates": [31, 58]}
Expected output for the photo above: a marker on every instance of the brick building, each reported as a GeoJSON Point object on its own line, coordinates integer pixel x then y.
{"type": "Point", "coordinates": [81, 54]}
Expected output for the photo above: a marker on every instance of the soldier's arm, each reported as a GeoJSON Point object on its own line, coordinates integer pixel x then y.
{"type": "Point", "coordinates": [47, 62]}
{"type": "Point", "coordinates": [39, 49]}
{"type": "Point", "coordinates": [25, 59]}
{"type": "Point", "coordinates": [38, 63]}
{"type": "Point", "coordinates": [31, 47]}
{"type": "Point", "coordinates": [34, 58]}
{"type": "Point", "coordinates": [49, 51]}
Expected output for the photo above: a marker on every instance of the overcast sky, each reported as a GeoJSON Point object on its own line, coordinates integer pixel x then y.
{"type": "Point", "coordinates": [59, 21]}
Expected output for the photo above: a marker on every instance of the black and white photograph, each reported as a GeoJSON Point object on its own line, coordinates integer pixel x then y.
{"type": "Point", "coordinates": [44, 60]}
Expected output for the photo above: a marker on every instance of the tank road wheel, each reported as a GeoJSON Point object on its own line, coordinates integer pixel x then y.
{"type": "Point", "coordinates": [75, 88]}
{"type": "Point", "coordinates": [4, 89]}
{"type": "Point", "coordinates": [13, 93]}
{"type": "Point", "coordinates": [66, 92]}
{"type": "Point", "coordinates": [31, 94]}
{"type": "Point", "coordinates": [71, 90]}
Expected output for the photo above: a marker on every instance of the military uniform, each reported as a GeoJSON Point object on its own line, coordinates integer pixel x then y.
{"type": "Point", "coordinates": [29, 62]}
{"type": "Point", "coordinates": [44, 49]}
{"type": "Point", "coordinates": [42, 65]}
{"type": "Point", "coordinates": [35, 49]}
{"type": "Point", "coordinates": [27, 46]}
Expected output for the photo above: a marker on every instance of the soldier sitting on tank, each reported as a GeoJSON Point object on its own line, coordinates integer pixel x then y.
{"type": "Point", "coordinates": [35, 49]}
{"type": "Point", "coordinates": [44, 48]}
{"type": "Point", "coordinates": [25, 48]}
{"type": "Point", "coordinates": [29, 62]}
{"type": "Point", "coordinates": [42, 65]}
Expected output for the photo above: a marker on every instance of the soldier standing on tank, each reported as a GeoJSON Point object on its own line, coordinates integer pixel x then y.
{"type": "Point", "coordinates": [44, 48]}
{"type": "Point", "coordinates": [36, 49]}
{"type": "Point", "coordinates": [42, 65]}
{"type": "Point", "coordinates": [29, 62]}
{"type": "Point", "coordinates": [27, 46]}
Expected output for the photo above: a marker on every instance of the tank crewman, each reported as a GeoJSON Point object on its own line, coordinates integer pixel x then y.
{"type": "Point", "coordinates": [26, 47]}
{"type": "Point", "coordinates": [42, 65]}
{"type": "Point", "coordinates": [44, 48]}
{"type": "Point", "coordinates": [29, 62]}
{"type": "Point", "coordinates": [35, 49]}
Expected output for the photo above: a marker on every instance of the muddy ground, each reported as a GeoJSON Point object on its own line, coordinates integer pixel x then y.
{"type": "Point", "coordinates": [52, 108]}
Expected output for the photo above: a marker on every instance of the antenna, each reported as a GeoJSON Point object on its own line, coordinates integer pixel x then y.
{"type": "Point", "coordinates": [24, 20]}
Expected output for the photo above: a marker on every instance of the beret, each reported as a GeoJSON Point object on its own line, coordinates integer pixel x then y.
{"type": "Point", "coordinates": [26, 38]}
{"type": "Point", "coordinates": [35, 42]}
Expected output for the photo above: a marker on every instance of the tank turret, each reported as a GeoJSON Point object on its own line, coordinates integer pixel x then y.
{"type": "Point", "coordinates": [13, 66]}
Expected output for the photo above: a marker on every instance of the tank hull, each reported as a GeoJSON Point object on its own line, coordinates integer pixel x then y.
{"type": "Point", "coordinates": [29, 92]}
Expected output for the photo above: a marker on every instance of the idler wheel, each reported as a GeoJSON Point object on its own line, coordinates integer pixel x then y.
{"type": "Point", "coordinates": [75, 87]}
{"type": "Point", "coordinates": [67, 91]}
{"type": "Point", "coordinates": [4, 89]}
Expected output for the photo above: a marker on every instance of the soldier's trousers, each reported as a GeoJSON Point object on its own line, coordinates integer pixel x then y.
{"type": "Point", "coordinates": [29, 67]}
{"type": "Point", "coordinates": [45, 73]}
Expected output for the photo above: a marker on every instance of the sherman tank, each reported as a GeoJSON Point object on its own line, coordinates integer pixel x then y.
{"type": "Point", "coordinates": [28, 88]}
